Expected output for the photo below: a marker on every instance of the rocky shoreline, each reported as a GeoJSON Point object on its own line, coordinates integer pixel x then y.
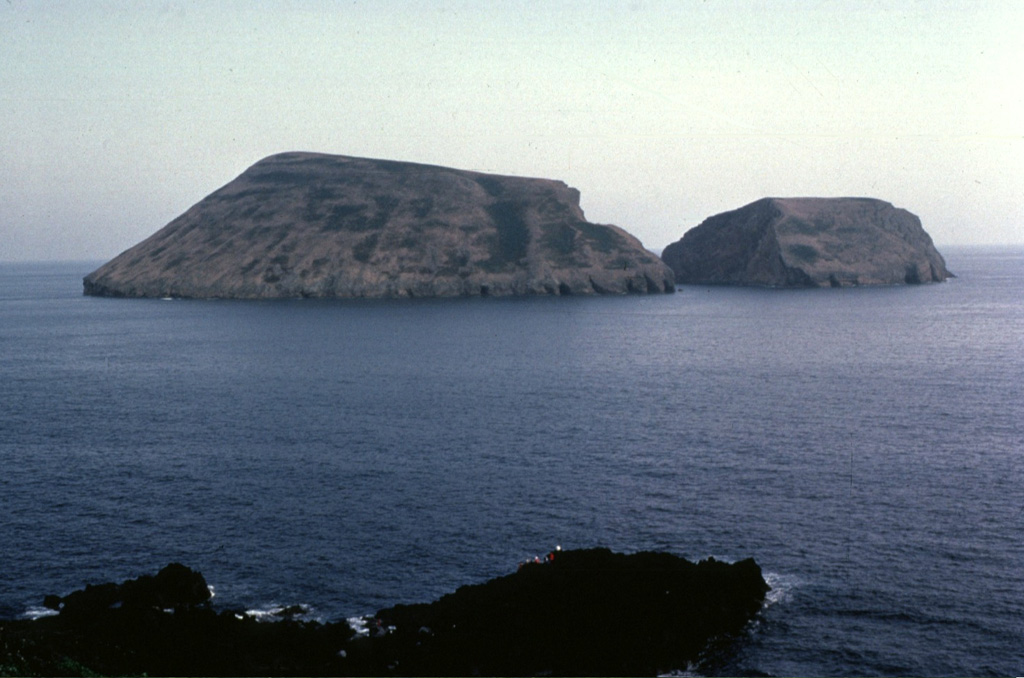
{"type": "Point", "coordinates": [583, 612]}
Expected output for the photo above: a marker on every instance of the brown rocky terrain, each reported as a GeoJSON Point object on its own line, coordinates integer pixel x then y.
{"type": "Point", "coordinates": [808, 242]}
{"type": "Point", "coordinates": [314, 225]}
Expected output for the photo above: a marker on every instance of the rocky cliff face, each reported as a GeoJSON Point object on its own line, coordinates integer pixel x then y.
{"type": "Point", "coordinates": [808, 242]}
{"type": "Point", "coordinates": [312, 225]}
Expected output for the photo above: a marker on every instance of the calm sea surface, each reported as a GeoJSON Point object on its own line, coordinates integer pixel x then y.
{"type": "Point", "coordinates": [866, 446]}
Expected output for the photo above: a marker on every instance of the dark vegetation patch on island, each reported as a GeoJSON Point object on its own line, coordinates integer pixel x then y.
{"type": "Point", "coordinates": [585, 612]}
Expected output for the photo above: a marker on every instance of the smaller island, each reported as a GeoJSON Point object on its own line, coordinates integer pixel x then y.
{"type": "Point", "coordinates": [808, 242]}
{"type": "Point", "coordinates": [578, 612]}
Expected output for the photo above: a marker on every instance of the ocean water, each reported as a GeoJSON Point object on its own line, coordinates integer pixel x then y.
{"type": "Point", "coordinates": [865, 446]}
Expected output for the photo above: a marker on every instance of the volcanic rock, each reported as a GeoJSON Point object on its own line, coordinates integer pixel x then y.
{"type": "Point", "coordinates": [808, 242]}
{"type": "Point", "coordinates": [586, 612]}
{"type": "Point", "coordinates": [314, 225]}
{"type": "Point", "coordinates": [174, 587]}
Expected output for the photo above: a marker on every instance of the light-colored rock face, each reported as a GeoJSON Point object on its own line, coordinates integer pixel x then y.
{"type": "Point", "coordinates": [312, 225]}
{"type": "Point", "coordinates": [807, 242]}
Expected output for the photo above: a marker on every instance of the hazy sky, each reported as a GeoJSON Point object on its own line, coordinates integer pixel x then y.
{"type": "Point", "coordinates": [115, 117]}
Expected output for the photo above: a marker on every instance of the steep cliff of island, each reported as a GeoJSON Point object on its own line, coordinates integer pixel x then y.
{"type": "Point", "coordinates": [808, 242]}
{"type": "Point", "coordinates": [314, 225]}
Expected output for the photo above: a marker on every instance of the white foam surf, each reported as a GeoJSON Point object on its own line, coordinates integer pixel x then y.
{"type": "Point", "coordinates": [275, 613]}
{"type": "Point", "coordinates": [38, 612]}
{"type": "Point", "coordinates": [782, 586]}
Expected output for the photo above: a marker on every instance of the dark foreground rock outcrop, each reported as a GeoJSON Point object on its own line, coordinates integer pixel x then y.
{"type": "Point", "coordinates": [315, 225]}
{"type": "Point", "coordinates": [808, 242]}
{"type": "Point", "coordinates": [590, 612]}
